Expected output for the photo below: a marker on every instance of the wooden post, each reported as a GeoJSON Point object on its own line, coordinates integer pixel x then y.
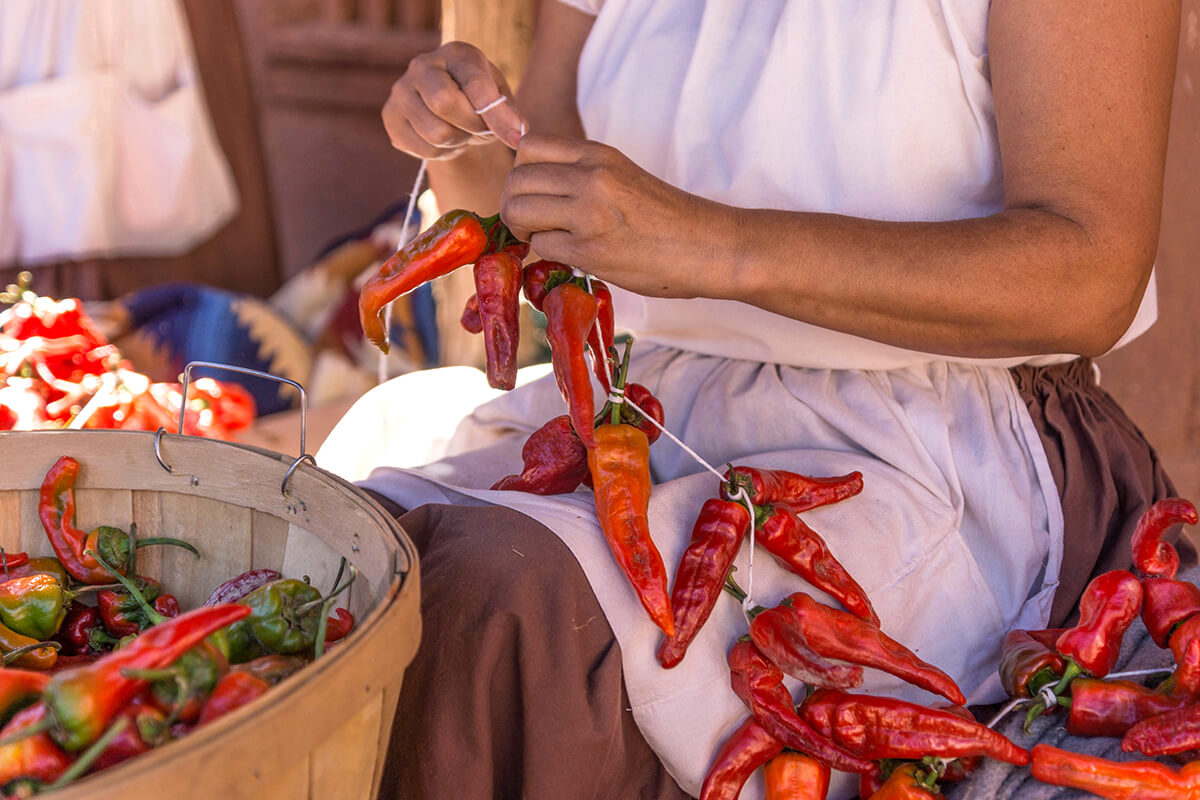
{"type": "Point", "coordinates": [503, 30]}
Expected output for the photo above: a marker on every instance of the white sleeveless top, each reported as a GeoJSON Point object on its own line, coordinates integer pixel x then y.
{"type": "Point", "coordinates": [879, 109]}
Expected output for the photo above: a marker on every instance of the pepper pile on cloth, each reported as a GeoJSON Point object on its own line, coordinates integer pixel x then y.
{"type": "Point", "coordinates": [57, 370]}
{"type": "Point", "coordinates": [102, 665]}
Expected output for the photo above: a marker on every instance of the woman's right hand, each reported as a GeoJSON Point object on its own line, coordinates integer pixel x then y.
{"type": "Point", "coordinates": [432, 112]}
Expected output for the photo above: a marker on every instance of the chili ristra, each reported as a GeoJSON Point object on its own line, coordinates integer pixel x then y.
{"type": "Point", "coordinates": [1152, 556]}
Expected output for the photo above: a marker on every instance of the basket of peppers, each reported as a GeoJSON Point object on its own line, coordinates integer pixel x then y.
{"type": "Point", "coordinates": [190, 617]}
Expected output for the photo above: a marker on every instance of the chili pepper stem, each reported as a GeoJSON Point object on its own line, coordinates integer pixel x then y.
{"type": "Point", "coordinates": [619, 384]}
{"type": "Point", "coordinates": [89, 756]}
{"type": "Point", "coordinates": [14, 654]}
{"type": "Point", "coordinates": [301, 609]}
{"type": "Point", "coordinates": [732, 587]}
{"type": "Point", "coordinates": [322, 626]}
{"type": "Point", "coordinates": [41, 726]}
{"type": "Point", "coordinates": [167, 540]}
{"type": "Point", "coordinates": [341, 569]}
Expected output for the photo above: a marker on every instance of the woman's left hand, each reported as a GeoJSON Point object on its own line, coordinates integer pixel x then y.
{"type": "Point", "coordinates": [586, 204]}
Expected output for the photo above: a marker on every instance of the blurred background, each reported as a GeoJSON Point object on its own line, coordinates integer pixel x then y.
{"type": "Point", "coordinates": [244, 242]}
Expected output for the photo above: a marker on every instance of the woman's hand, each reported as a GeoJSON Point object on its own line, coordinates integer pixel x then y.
{"type": "Point", "coordinates": [586, 204]}
{"type": "Point", "coordinates": [435, 110]}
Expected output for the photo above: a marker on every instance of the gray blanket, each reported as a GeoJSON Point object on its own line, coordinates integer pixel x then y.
{"type": "Point", "coordinates": [998, 780]}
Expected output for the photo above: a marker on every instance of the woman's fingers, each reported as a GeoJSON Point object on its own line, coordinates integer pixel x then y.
{"type": "Point", "coordinates": [529, 213]}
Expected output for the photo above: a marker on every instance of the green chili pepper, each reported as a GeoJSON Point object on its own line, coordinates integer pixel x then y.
{"type": "Point", "coordinates": [36, 604]}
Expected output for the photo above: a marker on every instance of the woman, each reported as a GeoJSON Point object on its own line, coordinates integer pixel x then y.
{"type": "Point", "coordinates": [848, 236]}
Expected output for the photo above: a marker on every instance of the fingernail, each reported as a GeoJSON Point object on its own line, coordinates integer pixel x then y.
{"type": "Point", "coordinates": [513, 137]}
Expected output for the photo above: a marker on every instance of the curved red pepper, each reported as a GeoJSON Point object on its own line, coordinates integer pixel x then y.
{"type": "Point", "coordinates": [802, 492]}
{"type": "Point", "coordinates": [1108, 606]}
{"type": "Point", "coordinates": [498, 293]}
{"type": "Point", "coordinates": [555, 461]}
{"type": "Point", "coordinates": [1151, 555]}
{"type": "Point", "coordinates": [1120, 780]}
{"type": "Point", "coordinates": [56, 510]}
{"type": "Point", "coordinates": [233, 691]}
{"type": "Point", "coordinates": [1166, 603]}
{"type": "Point", "coordinates": [1110, 708]}
{"type": "Point", "coordinates": [779, 636]}
{"type": "Point", "coordinates": [799, 549]}
{"type": "Point", "coordinates": [716, 537]}
{"type": "Point", "coordinates": [747, 748]}
{"type": "Point", "coordinates": [570, 313]}
{"type": "Point", "coordinates": [600, 339]}
{"type": "Point", "coordinates": [339, 625]}
{"type": "Point", "coordinates": [455, 240]}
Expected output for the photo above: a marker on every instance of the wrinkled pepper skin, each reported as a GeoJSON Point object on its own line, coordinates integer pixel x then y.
{"type": "Point", "coordinates": [84, 700]}
{"type": "Point", "coordinates": [274, 620]}
{"type": "Point", "coordinates": [1171, 732]}
{"type": "Point", "coordinates": [780, 637]}
{"type": "Point", "coordinates": [233, 691]}
{"type": "Point", "coordinates": [600, 339]}
{"type": "Point", "coordinates": [759, 684]}
{"type": "Point", "coordinates": [1108, 606]}
{"type": "Point", "coordinates": [570, 314]}
{"type": "Point", "coordinates": [239, 586]}
{"type": "Point", "coordinates": [1024, 655]}
{"type": "Point", "coordinates": [802, 492]}
{"type": "Point", "coordinates": [747, 748]}
{"type": "Point", "coordinates": [1166, 603]}
{"type": "Point", "coordinates": [1115, 780]}
{"type": "Point", "coordinates": [1152, 557]}
{"type": "Point", "coordinates": [498, 292]}
{"type": "Point", "coordinates": [1110, 708]}
{"type": "Point", "coordinates": [534, 280]}
{"type": "Point", "coordinates": [875, 728]}
{"type": "Point", "coordinates": [36, 758]}
{"type": "Point", "coordinates": [470, 320]}
{"type": "Point", "coordinates": [799, 549]}
{"type": "Point", "coordinates": [717, 536]}
{"type": "Point", "coordinates": [554, 461]}
{"type": "Point", "coordinates": [33, 606]}
{"type": "Point", "coordinates": [837, 634]}
{"type": "Point", "coordinates": [455, 240]}
{"type": "Point", "coordinates": [620, 469]}
{"type": "Point", "coordinates": [903, 784]}
{"type": "Point", "coordinates": [795, 776]}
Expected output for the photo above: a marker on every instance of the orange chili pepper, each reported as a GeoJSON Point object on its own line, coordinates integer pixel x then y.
{"type": "Point", "coordinates": [905, 784]}
{"type": "Point", "coordinates": [795, 776]}
{"type": "Point", "coordinates": [620, 468]}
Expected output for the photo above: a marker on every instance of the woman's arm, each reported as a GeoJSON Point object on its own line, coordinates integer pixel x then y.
{"type": "Point", "coordinates": [1082, 96]}
{"type": "Point", "coordinates": [431, 114]}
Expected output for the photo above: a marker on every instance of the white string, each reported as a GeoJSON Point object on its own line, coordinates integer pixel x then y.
{"type": "Point", "coordinates": [1137, 673]}
{"type": "Point", "coordinates": [1049, 698]}
{"type": "Point", "coordinates": [1003, 712]}
{"type": "Point", "coordinates": [499, 101]}
{"type": "Point", "coordinates": [382, 374]}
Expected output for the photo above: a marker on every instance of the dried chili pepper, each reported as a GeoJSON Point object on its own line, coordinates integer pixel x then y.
{"type": "Point", "coordinates": [1029, 661]}
{"type": "Point", "coordinates": [747, 748]}
{"type": "Point", "coordinates": [534, 280]}
{"type": "Point", "coordinates": [1166, 603]}
{"type": "Point", "coordinates": [875, 728]}
{"type": "Point", "coordinates": [455, 240]}
{"type": "Point", "coordinates": [470, 319]}
{"type": "Point", "coordinates": [82, 701]}
{"type": "Point", "coordinates": [1176, 731]}
{"type": "Point", "coordinates": [56, 510]}
{"type": "Point", "coordinates": [1116, 780]}
{"type": "Point", "coordinates": [717, 535]}
{"type": "Point", "coordinates": [802, 492]}
{"type": "Point", "coordinates": [780, 637]}
{"type": "Point", "coordinates": [232, 692]}
{"type": "Point", "coordinates": [498, 292]}
{"type": "Point", "coordinates": [1152, 556]}
{"type": "Point", "coordinates": [570, 314]}
{"type": "Point", "coordinates": [795, 776]}
{"type": "Point", "coordinates": [833, 633]}
{"type": "Point", "coordinates": [1108, 605]}
{"type": "Point", "coordinates": [759, 684]}
{"type": "Point", "coordinates": [639, 396]}
{"type": "Point", "coordinates": [555, 461]}
{"type": "Point", "coordinates": [600, 338]}
{"type": "Point", "coordinates": [800, 550]}
{"type": "Point", "coordinates": [908, 782]}
{"type": "Point", "coordinates": [238, 587]}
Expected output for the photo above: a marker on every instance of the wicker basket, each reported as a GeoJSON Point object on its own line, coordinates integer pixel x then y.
{"type": "Point", "coordinates": [323, 732]}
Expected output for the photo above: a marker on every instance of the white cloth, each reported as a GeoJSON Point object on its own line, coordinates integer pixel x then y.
{"type": "Point", "coordinates": [956, 537]}
{"type": "Point", "coordinates": [106, 146]}
{"type": "Point", "coordinates": [879, 109]}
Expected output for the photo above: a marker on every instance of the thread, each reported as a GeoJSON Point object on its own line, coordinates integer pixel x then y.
{"type": "Point", "coordinates": [382, 371]}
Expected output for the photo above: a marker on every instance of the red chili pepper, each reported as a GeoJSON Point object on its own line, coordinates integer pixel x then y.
{"type": "Point", "coordinates": [1108, 605]}
{"type": "Point", "coordinates": [907, 782]}
{"type": "Point", "coordinates": [535, 277]}
{"type": "Point", "coordinates": [759, 684]}
{"type": "Point", "coordinates": [639, 396]}
{"type": "Point", "coordinates": [600, 338]}
{"type": "Point", "coordinates": [455, 240]}
{"type": "Point", "coordinates": [498, 290]}
{"type": "Point", "coordinates": [146, 729]}
{"type": "Point", "coordinates": [836, 634]}
{"type": "Point", "coordinates": [620, 468]}
{"type": "Point", "coordinates": [470, 319]}
{"type": "Point", "coordinates": [570, 313]}
{"type": "Point", "coordinates": [76, 632]}
{"type": "Point", "coordinates": [1151, 555]}
{"type": "Point", "coordinates": [1116, 780]}
{"type": "Point", "coordinates": [555, 461]}
{"type": "Point", "coordinates": [1027, 655]}
{"type": "Point", "coordinates": [1166, 603]}
{"type": "Point", "coordinates": [802, 492]}
{"type": "Point", "coordinates": [84, 700]}
{"type": "Point", "coordinates": [56, 509]}
{"type": "Point", "coordinates": [233, 691]}
{"type": "Point", "coordinates": [884, 727]}
{"type": "Point", "coordinates": [795, 776]}
{"type": "Point", "coordinates": [167, 605]}
{"type": "Point", "coordinates": [20, 688]}
{"type": "Point", "coordinates": [746, 749]}
{"type": "Point", "coordinates": [779, 636]}
{"type": "Point", "coordinates": [35, 758]}
{"type": "Point", "coordinates": [716, 537]}
{"type": "Point", "coordinates": [339, 625]}
{"type": "Point", "coordinates": [799, 549]}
